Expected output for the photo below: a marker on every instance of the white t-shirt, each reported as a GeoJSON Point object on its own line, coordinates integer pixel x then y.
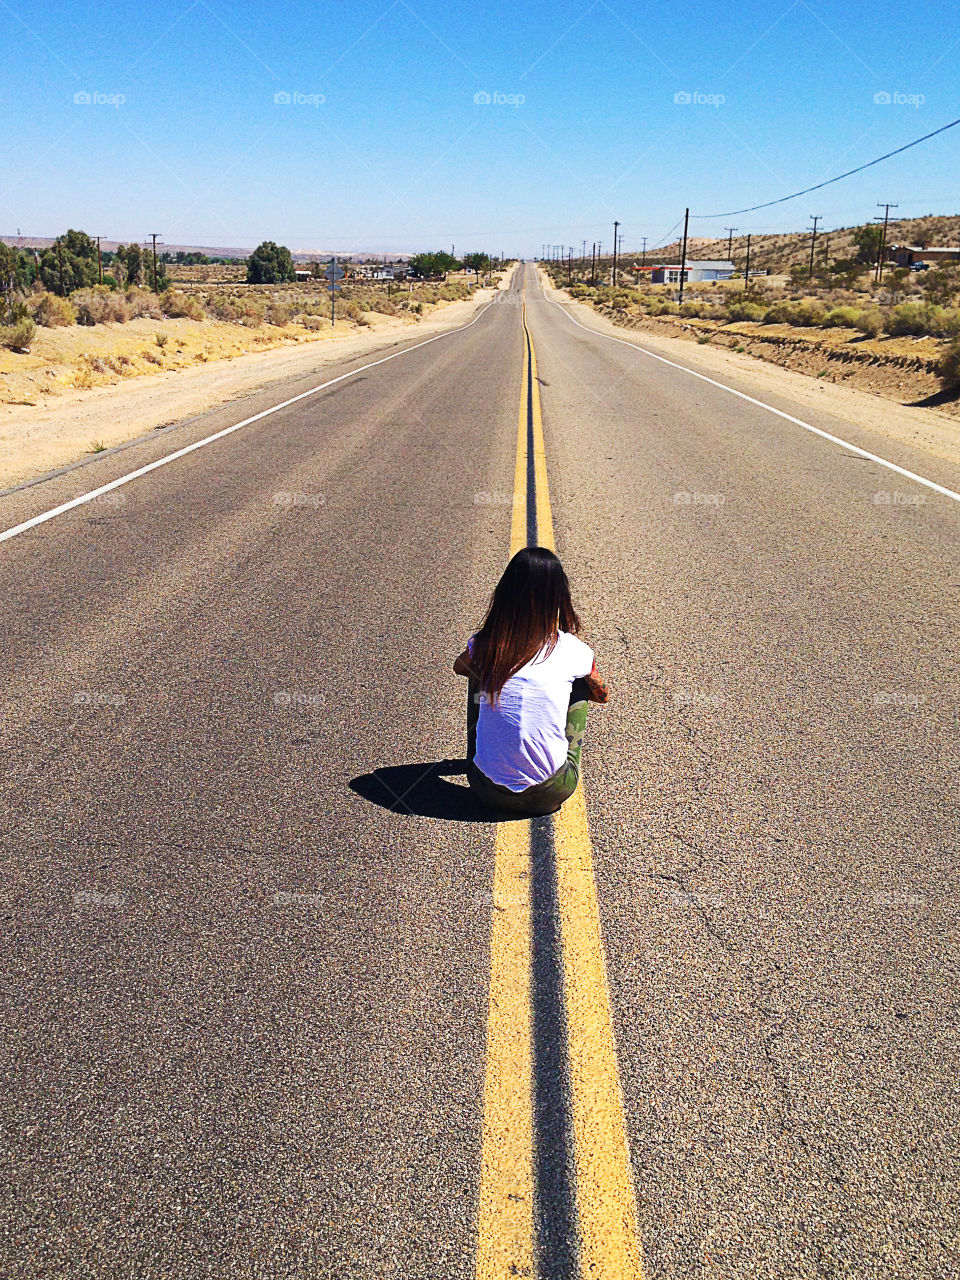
{"type": "Point", "coordinates": [522, 739]}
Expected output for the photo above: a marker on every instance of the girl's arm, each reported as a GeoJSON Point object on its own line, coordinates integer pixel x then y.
{"type": "Point", "coordinates": [462, 666]}
{"type": "Point", "coordinates": [597, 690]}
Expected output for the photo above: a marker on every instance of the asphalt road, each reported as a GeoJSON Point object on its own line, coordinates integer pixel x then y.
{"type": "Point", "coordinates": [245, 979]}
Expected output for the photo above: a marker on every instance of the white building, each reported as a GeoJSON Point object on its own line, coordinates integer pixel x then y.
{"type": "Point", "coordinates": [709, 269]}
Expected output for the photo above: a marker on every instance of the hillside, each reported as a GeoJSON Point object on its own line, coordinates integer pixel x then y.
{"type": "Point", "coordinates": [777, 252]}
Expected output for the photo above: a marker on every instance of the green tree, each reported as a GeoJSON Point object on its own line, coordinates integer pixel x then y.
{"type": "Point", "coordinates": [867, 239]}
{"type": "Point", "coordinates": [270, 264]}
{"type": "Point", "coordinates": [70, 263]}
{"type": "Point", "coordinates": [130, 258]}
{"type": "Point", "coordinates": [62, 270]}
{"type": "Point", "coordinates": [14, 282]}
{"type": "Point", "coordinates": [81, 244]}
{"type": "Point", "coordinates": [433, 264]}
{"type": "Point", "coordinates": [160, 283]}
{"type": "Point", "coordinates": [477, 262]}
{"type": "Point", "coordinates": [9, 274]}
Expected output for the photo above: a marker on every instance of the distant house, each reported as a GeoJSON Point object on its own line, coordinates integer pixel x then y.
{"type": "Point", "coordinates": [375, 271]}
{"type": "Point", "coordinates": [696, 272]}
{"type": "Point", "coordinates": [905, 255]}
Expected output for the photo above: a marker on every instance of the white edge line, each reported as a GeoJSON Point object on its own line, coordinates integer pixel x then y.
{"type": "Point", "coordinates": [218, 435]}
{"type": "Point", "coordinates": [807, 426]}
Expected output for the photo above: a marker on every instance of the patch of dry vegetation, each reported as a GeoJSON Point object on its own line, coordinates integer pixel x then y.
{"type": "Point", "coordinates": [100, 334]}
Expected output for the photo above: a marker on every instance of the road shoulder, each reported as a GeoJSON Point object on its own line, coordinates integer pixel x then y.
{"type": "Point", "coordinates": [35, 442]}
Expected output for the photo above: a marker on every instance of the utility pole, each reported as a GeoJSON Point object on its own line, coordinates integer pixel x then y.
{"type": "Point", "coordinates": [730, 240]}
{"type": "Point", "coordinates": [643, 261]}
{"type": "Point", "coordinates": [583, 259]}
{"type": "Point", "coordinates": [813, 239]}
{"type": "Point", "coordinates": [593, 266]}
{"type": "Point", "coordinates": [613, 276]}
{"type": "Point", "coordinates": [683, 255]}
{"type": "Point", "coordinates": [154, 234]}
{"type": "Point", "coordinates": [883, 236]}
{"type": "Point", "coordinates": [99, 262]}
{"type": "Point", "coordinates": [746, 274]}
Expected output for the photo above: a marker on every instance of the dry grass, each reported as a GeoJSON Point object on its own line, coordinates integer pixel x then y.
{"type": "Point", "coordinates": [121, 339]}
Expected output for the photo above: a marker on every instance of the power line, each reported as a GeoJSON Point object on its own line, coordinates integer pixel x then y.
{"type": "Point", "coordinates": [731, 213]}
{"type": "Point", "coordinates": [666, 239]}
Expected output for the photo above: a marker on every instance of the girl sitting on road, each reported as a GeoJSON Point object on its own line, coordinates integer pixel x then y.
{"type": "Point", "coordinates": [530, 682]}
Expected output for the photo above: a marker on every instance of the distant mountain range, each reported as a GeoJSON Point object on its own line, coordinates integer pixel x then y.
{"type": "Point", "coordinates": [212, 251]}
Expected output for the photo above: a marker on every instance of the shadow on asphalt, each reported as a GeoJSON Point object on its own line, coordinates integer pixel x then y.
{"type": "Point", "coordinates": [422, 790]}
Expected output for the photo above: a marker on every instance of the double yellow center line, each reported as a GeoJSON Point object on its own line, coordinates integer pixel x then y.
{"type": "Point", "coordinates": [556, 1190]}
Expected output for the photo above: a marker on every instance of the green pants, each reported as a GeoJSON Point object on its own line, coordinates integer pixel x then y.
{"type": "Point", "coordinates": [542, 797]}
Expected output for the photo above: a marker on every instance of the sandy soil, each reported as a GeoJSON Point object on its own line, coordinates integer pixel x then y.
{"type": "Point", "coordinates": [931, 429]}
{"type": "Point", "coordinates": [40, 434]}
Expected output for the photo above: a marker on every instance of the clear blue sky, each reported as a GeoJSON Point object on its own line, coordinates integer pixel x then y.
{"type": "Point", "coordinates": [399, 155]}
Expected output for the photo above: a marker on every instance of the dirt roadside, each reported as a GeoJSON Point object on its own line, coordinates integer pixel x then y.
{"type": "Point", "coordinates": [36, 439]}
{"type": "Point", "coordinates": [926, 428]}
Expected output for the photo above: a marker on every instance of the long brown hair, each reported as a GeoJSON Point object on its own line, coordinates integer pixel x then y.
{"type": "Point", "coordinates": [530, 603]}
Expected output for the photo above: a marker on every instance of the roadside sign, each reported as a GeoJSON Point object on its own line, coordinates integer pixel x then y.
{"type": "Point", "coordinates": [334, 274]}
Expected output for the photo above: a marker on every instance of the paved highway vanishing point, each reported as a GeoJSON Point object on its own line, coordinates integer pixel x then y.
{"type": "Point", "coordinates": [280, 1001]}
